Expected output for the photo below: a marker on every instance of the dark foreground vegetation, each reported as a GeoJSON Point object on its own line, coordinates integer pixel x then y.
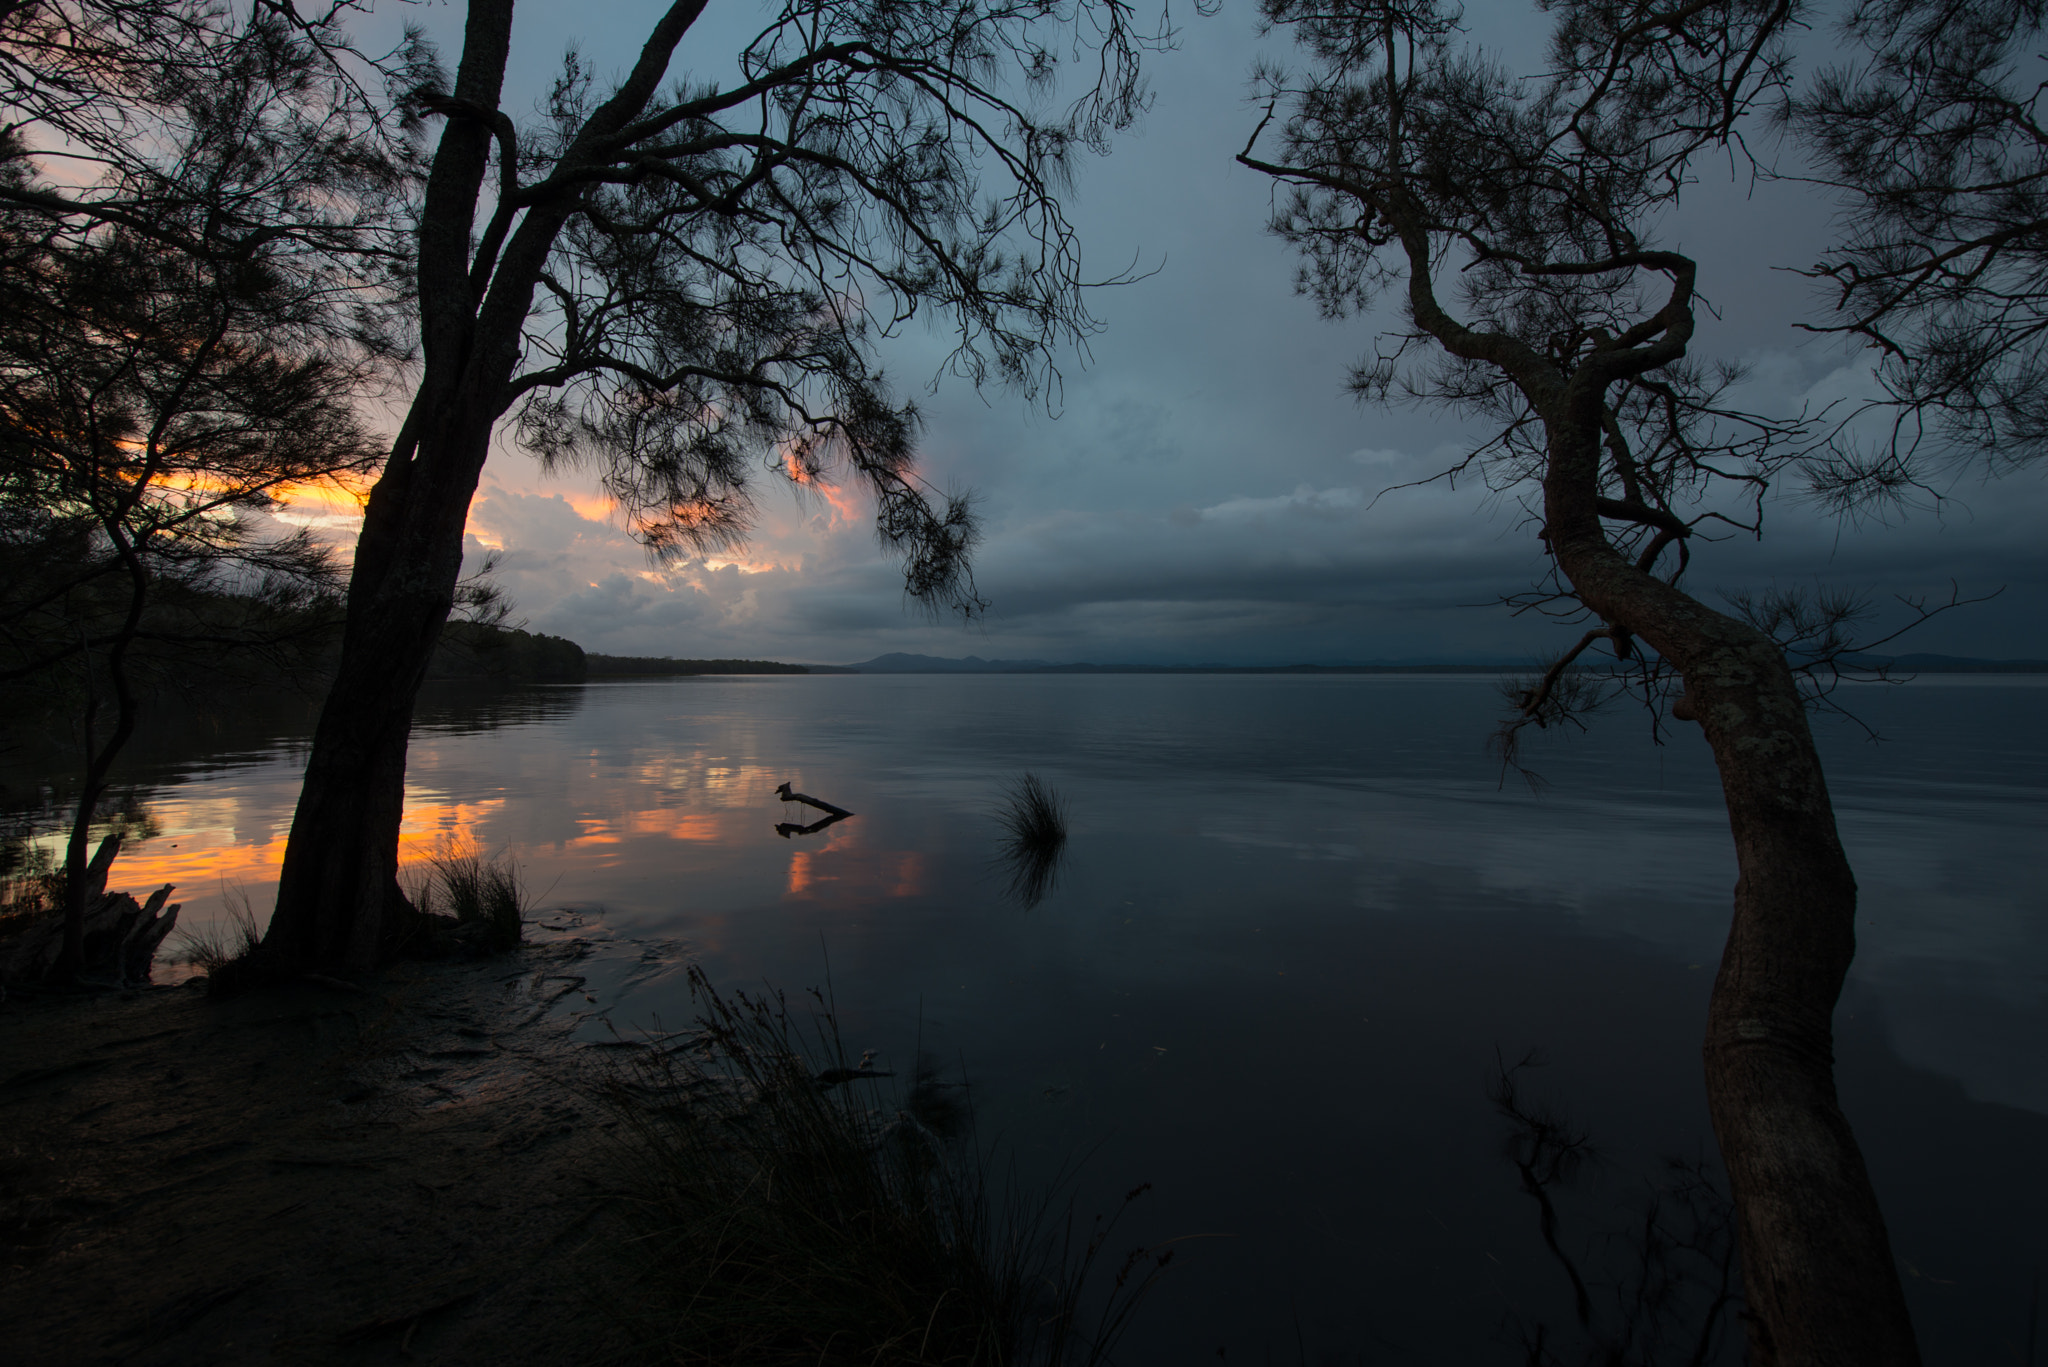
{"type": "Point", "coordinates": [432, 1166]}
{"type": "Point", "coordinates": [460, 904]}
{"type": "Point", "coordinates": [793, 1205]}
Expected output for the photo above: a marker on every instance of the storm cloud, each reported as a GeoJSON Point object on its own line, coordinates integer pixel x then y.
{"type": "Point", "coordinates": [1199, 487]}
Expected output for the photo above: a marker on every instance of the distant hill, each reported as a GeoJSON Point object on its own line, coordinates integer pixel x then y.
{"type": "Point", "coordinates": [517, 656]}
{"type": "Point", "coordinates": [1945, 664]}
{"type": "Point", "coordinates": [616, 665]}
{"type": "Point", "coordinates": [899, 663]}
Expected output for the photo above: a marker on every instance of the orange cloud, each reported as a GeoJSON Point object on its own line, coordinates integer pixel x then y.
{"type": "Point", "coordinates": [844, 507]}
{"type": "Point", "coordinates": [334, 502]}
{"type": "Point", "coordinates": [592, 507]}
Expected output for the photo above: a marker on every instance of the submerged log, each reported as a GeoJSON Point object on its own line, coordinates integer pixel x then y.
{"type": "Point", "coordinates": [786, 829]}
{"type": "Point", "coordinates": [789, 795]}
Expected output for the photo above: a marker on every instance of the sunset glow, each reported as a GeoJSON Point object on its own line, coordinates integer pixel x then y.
{"type": "Point", "coordinates": [841, 860]}
{"type": "Point", "coordinates": [845, 508]}
{"type": "Point", "coordinates": [592, 507]}
{"type": "Point", "coordinates": [334, 503]}
{"type": "Point", "coordinates": [660, 822]}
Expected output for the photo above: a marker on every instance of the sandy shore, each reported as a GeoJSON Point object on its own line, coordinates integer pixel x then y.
{"type": "Point", "coordinates": [413, 1172]}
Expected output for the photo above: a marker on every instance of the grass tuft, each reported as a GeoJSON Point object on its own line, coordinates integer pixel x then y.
{"type": "Point", "coordinates": [1034, 821]}
{"type": "Point", "coordinates": [216, 946]}
{"type": "Point", "coordinates": [791, 1207]}
{"type": "Point", "coordinates": [484, 893]}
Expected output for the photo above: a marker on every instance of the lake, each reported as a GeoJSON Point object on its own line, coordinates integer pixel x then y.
{"type": "Point", "coordinates": [1301, 923]}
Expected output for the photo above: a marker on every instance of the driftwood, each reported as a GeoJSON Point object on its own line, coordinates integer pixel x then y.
{"type": "Point", "coordinates": [121, 934]}
{"type": "Point", "coordinates": [786, 829]}
{"type": "Point", "coordinates": [787, 795]}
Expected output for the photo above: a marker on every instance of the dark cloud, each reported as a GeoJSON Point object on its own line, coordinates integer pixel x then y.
{"type": "Point", "coordinates": [1208, 491]}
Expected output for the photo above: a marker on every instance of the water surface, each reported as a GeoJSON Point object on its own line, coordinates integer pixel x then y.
{"type": "Point", "coordinates": [1300, 921]}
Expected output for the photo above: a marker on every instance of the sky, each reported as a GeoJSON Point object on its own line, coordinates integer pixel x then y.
{"type": "Point", "coordinates": [1203, 489]}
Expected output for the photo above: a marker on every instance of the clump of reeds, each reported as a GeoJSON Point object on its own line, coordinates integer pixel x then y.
{"type": "Point", "coordinates": [1034, 821]}
{"type": "Point", "coordinates": [483, 893]}
{"type": "Point", "coordinates": [793, 1207]}
{"type": "Point", "coordinates": [228, 941]}
{"type": "Point", "coordinates": [31, 881]}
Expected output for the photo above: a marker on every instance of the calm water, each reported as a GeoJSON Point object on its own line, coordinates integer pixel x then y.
{"type": "Point", "coordinates": [1300, 920]}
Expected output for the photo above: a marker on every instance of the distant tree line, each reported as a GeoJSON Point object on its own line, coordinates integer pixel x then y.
{"type": "Point", "coordinates": [500, 654]}
{"type": "Point", "coordinates": [601, 665]}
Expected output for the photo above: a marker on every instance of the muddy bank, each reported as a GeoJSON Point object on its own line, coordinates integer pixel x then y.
{"type": "Point", "coordinates": [414, 1172]}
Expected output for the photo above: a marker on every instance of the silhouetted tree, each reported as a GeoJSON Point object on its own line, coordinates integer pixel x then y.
{"type": "Point", "coordinates": [147, 423]}
{"type": "Point", "coordinates": [221, 132]}
{"type": "Point", "coordinates": [194, 203]}
{"type": "Point", "coordinates": [671, 282]}
{"type": "Point", "coordinates": [1936, 146]}
{"type": "Point", "coordinates": [1517, 220]}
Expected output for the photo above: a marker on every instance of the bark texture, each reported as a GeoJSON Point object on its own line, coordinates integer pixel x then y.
{"type": "Point", "coordinates": [339, 906]}
{"type": "Point", "coordinates": [1818, 1273]}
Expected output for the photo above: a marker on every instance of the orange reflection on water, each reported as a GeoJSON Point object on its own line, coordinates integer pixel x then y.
{"type": "Point", "coordinates": [909, 876]}
{"type": "Point", "coordinates": [433, 828]}
{"type": "Point", "coordinates": [197, 861]}
{"type": "Point", "coordinates": [674, 824]}
{"type": "Point", "coordinates": [902, 872]}
{"type": "Point", "coordinates": [207, 845]}
{"type": "Point", "coordinates": [803, 870]}
{"type": "Point", "coordinates": [666, 822]}
{"type": "Point", "coordinates": [596, 831]}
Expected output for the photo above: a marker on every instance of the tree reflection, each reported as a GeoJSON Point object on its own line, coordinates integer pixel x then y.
{"type": "Point", "coordinates": [1664, 1289]}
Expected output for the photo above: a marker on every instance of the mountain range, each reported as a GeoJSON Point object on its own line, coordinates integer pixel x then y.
{"type": "Point", "coordinates": [896, 662]}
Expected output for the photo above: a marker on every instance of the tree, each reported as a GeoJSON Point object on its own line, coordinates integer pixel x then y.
{"type": "Point", "coordinates": [188, 203]}
{"type": "Point", "coordinates": [147, 421]}
{"type": "Point", "coordinates": [215, 132]}
{"type": "Point", "coordinates": [1518, 221]}
{"type": "Point", "coordinates": [674, 284]}
{"type": "Point", "coordinates": [1938, 151]}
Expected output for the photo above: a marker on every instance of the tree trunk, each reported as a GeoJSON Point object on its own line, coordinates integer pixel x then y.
{"type": "Point", "coordinates": [1818, 1273]}
{"type": "Point", "coordinates": [339, 907]}
{"type": "Point", "coordinates": [78, 875]}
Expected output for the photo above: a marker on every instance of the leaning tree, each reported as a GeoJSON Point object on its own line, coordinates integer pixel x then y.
{"type": "Point", "coordinates": [1523, 222]}
{"type": "Point", "coordinates": [680, 283]}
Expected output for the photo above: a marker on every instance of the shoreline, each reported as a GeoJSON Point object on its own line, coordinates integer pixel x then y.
{"type": "Point", "coordinates": [417, 1169]}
